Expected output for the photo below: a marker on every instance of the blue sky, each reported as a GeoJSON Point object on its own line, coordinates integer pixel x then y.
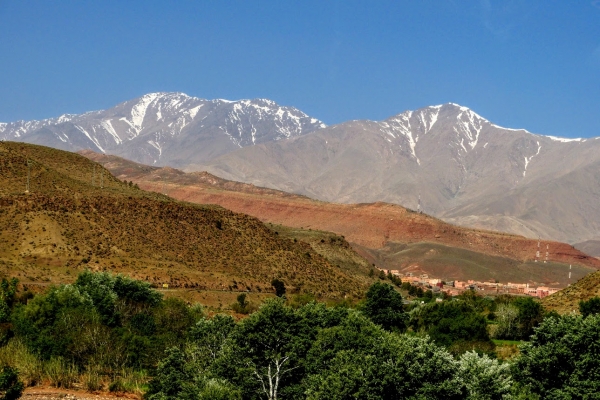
{"type": "Point", "coordinates": [520, 64]}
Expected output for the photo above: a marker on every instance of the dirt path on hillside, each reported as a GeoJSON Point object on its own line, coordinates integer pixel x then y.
{"type": "Point", "coordinates": [49, 393]}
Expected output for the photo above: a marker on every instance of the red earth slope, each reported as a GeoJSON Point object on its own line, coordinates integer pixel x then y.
{"type": "Point", "coordinates": [372, 226]}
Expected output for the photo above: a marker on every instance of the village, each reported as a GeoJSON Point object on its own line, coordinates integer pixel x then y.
{"type": "Point", "coordinates": [456, 287]}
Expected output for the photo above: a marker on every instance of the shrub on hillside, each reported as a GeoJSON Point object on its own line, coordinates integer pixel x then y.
{"type": "Point", "coordinates": [589, 307]}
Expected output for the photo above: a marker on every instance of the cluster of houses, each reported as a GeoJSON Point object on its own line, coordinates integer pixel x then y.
{"type": "Point", "coordinates": [456, 287]}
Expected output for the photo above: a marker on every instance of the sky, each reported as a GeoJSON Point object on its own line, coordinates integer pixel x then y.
{"type": "Point", "coordinates": [520, 64]}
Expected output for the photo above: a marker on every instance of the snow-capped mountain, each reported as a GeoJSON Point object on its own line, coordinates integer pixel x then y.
{"type": "Point", "coordinates": [167, 128]}
{"type": "Point", "coordinates": [467, 170]}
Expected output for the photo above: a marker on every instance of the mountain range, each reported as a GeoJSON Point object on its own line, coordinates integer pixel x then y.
{"type": "Point", "coordinates": [387, 235]}
{"type": "Point", "coordinates": [445, 160]}
{"type": "Point", "coordinates": [466, 170]}
{"type": "Point", "coordinates": [167, 128]}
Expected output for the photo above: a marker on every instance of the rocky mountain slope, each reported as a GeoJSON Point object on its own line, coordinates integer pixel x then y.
{"type": "Point", "coordinates": [77, 215]}
{"type": "Point", "coordinates": [167, 128]}
{"type": "Point", "coordinates": [466, 170]}
{"type": "Point", "coordinates": [388, 235]}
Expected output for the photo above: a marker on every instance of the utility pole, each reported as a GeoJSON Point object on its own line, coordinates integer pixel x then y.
{"type": "Point", "coordinates": [419, 204]}
{"type": "Point", "coordinates": [28, 175]}
{"type": "Point", "coordinates": [537, 253]}
{"type": "Point", "coordinates": [546, 260]}
{"type": "Point", "coordinates": [163, 188]}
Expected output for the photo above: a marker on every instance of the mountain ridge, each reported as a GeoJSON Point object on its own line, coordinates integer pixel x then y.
{"type": "Point", "coordinates": [466, 169]}
{"type": "Point", "coordinates": [145, 127]}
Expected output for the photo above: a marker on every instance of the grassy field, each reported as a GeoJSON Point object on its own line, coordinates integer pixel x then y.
{"type": "Point", "coordinates": [455, 263]}
{"type": "Point", "coordinates": [507, 349]}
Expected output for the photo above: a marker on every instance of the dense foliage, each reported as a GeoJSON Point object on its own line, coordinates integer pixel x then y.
{"type": "Point", "coordinates": [449, 323]}
{"type": "Point", "coordinates": [561, 360]}
{"type": "Point", "coordinates": [104, 325]}
{"type": "Point", "coordinates": [105, 320]}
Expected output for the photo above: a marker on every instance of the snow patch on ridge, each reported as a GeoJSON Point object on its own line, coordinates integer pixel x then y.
{"type": "Point", "coordinates": [106, 124]}
{"type": "Point", "coordinates": [194, 111]}
{"type": "Point", "coordinates": [64, 118]}
{"type": "Point", "coordinates": [471, 127]}
{"type": "Point", "coordinates": [138, 111]}
{"type": "Point", "coordinates": [94, 140]}
{"type": "Point", "coordinates": [428, 118]}
{"type": "Point", "coordinates": [564, 140]}
{"type": "Point", "coordinates": [157, 146]}
{"type": "Point", "coordinates": [401, 124]}
{"type": "Point", "coordinates": [528, 159]}
{"type": "Point", "coordinates": [509, 129]}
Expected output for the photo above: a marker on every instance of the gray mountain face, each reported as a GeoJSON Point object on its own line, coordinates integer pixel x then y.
{"type": "Point", "coordinates": [167, 128]}
{"type": "Point", "coordinates": [467, 170]}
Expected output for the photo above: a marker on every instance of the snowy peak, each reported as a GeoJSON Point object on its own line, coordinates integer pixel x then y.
{"type": "Point", "coordinates": [143, 128]}
{"type": "Point", "coordinates": [460, 126]}
{"type": "Point", "coordinates": [266, 121]}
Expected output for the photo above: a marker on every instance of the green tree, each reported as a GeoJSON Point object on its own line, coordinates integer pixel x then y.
{"type": "Point", "coordinates": [242, 305]}
{"type": "Point", "coordinates": [99, 287]}
{"type": "Point", "coordinates": [114, 321]}
{"type": "Point", "coordinates": [383, 306]}
{"type": "Point", "coordinates": [450, 323]}
{"type": "Point", "coordinates": [589, 307]}
{"type": "Point", "coordinates": [265, 354]}
{"type": "Point", "coordinates": [279, 287]}
{"type": "Point", "coordinates": [208, 336]}
{"type": "Point", "coordinates": [8, 289]}
{"type": "Point", "coordinates": [10, 385]}
{"type": "Point", "coordinates": [531, 314]}
{"type": "Point", "coordinates": [485, 378]}
{"type": "Point", "coordinates": [360, 360]}
{"type": "Point", "coordinates": [264, 351]}
{"type": "Point", "coordinates": [507, 317]}
{"type": "Point", "coordinates": [49, 323]}
{"type": "Point", "coordinates": [172, 379]}
{"type": "Point", "coordinates": [561, 359]}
